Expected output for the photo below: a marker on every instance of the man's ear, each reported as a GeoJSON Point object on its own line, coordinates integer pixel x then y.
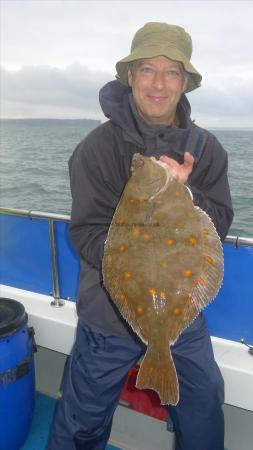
{"type": "Point", "coordinates": [130, 78]}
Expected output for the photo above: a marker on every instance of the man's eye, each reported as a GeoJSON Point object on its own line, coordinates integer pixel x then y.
{"type": "Point", "coordinates": [146, 70]}
{"type": "Point", "coordinates": [174, 73]}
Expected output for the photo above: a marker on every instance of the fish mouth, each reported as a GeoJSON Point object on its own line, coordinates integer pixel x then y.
{"type": "Point", "coordinates": [137, 161]}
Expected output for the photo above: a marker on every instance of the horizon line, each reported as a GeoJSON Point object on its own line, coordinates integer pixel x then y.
{"type": "Point", "coordinates": [99, 120]}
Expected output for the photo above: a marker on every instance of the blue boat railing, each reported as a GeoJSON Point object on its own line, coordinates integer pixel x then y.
{"type": "Point", "coordinates": [37, 256]}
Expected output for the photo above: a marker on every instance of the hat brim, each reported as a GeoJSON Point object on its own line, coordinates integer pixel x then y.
{"type": "Point", "coordinates": [122, 66]}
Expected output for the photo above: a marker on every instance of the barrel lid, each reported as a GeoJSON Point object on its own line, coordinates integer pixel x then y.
{"type": "Point", "coordinates": [12, 316]}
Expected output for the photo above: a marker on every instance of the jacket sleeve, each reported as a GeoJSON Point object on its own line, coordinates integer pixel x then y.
{"type": "Point", "coordinates": [210, 187]}
{"type": "Point", "coordinates": [96, 187]}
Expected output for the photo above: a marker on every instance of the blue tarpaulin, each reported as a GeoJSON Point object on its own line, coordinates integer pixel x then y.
{"type": "Point", "coordinates": [230, 315]}
{"type": "Point", "coordinates": [25, 256]}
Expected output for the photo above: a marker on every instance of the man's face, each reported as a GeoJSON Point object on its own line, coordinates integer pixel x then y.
{"type": "Point", "coordinates": [157, 85]}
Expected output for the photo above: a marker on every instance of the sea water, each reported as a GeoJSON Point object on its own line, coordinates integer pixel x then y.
{"type": "Point", "coordinates": [34, 166]}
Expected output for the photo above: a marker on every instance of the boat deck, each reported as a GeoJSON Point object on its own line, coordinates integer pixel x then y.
{"type": "Point", "coordinates": [43, 416]}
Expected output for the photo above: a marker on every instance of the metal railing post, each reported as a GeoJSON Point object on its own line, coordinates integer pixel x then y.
{"type": "Point", "coordinates": [57, 302]}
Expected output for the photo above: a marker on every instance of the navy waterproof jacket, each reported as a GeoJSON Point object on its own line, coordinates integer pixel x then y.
{"type": "Point", "coordinates": [99, 169]}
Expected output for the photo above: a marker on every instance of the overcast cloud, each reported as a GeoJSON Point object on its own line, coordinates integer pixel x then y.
{"type": "Point", "coordinates": [56, 55]}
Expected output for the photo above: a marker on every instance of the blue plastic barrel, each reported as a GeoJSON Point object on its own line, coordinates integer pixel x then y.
{"type": "Point", "coordinates": [17, 379]}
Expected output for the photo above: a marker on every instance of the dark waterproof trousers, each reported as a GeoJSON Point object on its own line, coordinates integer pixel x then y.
{"type": "Point", "coordinates": [98, 368]}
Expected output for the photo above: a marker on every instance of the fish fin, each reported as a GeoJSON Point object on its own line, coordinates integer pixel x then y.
{"type": "Point", "coordinates": [211, 274]}
{"type": "Point", "coordinates": [209, 278]}
{"type": "Point", "coordinates": [159, 375]}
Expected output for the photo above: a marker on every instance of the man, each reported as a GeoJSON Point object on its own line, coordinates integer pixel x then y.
{"type": "Point", "coordinates": [148, 113]}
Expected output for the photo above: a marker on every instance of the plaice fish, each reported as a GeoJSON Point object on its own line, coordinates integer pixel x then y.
{"type": "Point", "coordinates": [162, 264]}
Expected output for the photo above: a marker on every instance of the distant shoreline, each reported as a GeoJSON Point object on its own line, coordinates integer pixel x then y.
{"type": "Point", "coordinates": [87, 123]}
{"type": "Point", "coordinates": [93, 122]}
{"type": "Point", "coordinates": [48, 119]}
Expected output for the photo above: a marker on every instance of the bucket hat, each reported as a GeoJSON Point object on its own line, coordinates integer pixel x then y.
{"type": "Point", "coordinates": [161, 39]}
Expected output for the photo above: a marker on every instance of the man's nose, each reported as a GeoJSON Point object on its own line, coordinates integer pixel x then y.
{"type": "Point", "coordinates": [158, 80]}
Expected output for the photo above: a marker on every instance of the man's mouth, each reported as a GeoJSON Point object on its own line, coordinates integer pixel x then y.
{"type": "Point", "coordinates": [156, 98]}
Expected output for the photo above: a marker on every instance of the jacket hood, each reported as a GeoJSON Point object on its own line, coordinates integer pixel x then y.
{"type": "Point", "coordinates": [117, 104]}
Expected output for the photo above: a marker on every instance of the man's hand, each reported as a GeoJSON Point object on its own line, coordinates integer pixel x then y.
{"type": "Point", "coordinates": [180, 171]}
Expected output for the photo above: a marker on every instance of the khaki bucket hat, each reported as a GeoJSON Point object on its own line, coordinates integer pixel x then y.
{"type": "Point", "coordinates": [161, 39]}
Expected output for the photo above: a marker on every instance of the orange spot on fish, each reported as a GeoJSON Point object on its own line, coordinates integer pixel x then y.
{"type": "Point", "coordinates": [201, 281]}
{"type": "Point", "coordinates": [146, 236]}
{"type": "Point", "coordinates": [189, 301]}
{"type": "Point", "coordinates": [176, 311]}
{"type": "Point", "coordinates": [121, 221]}
{"type": "Point", "coordinates": [162, 294]}
{"type": "Point", "coordinates": [209, 260]}
{"type": "Point", "coordinates": [187, 273]}
{"type": "Point", "coordinates": [140, 309]}
{"type": "Point", "coordinates": [152, 291]}
{"type": "Point", "coordinates": [136, 231]}
{"type": "Point", "coordinates": [127, 275]}
{"type": "Point", "coordinates": [122, 248]}
{"type": "Point", "coordinates": [122, 296]}
{"type": "Point", "coordinates": [177, 194]}
{"type": "Point", "coordinates": [164, 264]}
{"type": "Point", "coordinates": [205, 232]}
{"type": "Point", "coordinates": [169, 242]}
{"type": "Point", "coordinates": [192, 240]}
{"type": "Point", "coordinates": [131, 200]}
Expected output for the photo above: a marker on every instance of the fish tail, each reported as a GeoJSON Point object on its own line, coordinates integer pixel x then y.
{"type": "Point", "coordinates": [160, 375]}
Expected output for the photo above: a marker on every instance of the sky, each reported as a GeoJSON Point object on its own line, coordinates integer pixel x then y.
{"type": "Point", "coordinates": [57, 54]}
